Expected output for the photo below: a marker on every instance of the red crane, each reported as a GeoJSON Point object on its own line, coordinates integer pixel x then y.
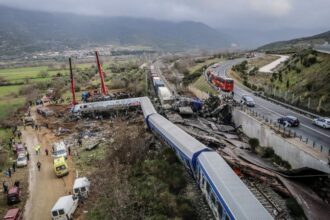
{"type": "Point", "coordinates": [104, 89]}
{"type": "Point", "coordinates": [74, 102]}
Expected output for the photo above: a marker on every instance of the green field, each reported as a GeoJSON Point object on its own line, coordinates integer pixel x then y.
{"type": "Point", "coordinates": [21, 73]}
{"type": "Point", "coordinates": [10, 105]}
{"type": "Point", "coordinates": [202, 85]}
{"type": "Point", "coordinates": [7, 90]}
{"type": "Point", "coordinates": [207, 63]}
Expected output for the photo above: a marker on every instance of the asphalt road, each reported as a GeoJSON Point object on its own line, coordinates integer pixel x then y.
{"type": "Point", "coordinates": [273, 111]}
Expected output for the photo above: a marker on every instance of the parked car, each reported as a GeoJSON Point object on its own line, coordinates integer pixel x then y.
{"type": "Point", "coordinates": [21, 160]}
{"type": "Point", "coordinates": [13, 214]}
{"type": "Point", "coordinates": [322, 122]}
{"type": "Point", "coordinates": [13, 195]}
{"type": "Point", "coordinates": [248, 101]}
{"type": "Point", "coordinates": [28, 121]}
{"type": "Point", "coordinates": [289, 121]}
{"type": "Point", "coordinates": [19, 148]}
{"type": "Point", "coordinates": [64, 208]}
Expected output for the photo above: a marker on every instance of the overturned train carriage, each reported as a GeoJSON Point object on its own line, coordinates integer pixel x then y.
{"type": "Point", "coordinates": [105, 106]}
{"type": "Point", "coordinates": [226, 194]}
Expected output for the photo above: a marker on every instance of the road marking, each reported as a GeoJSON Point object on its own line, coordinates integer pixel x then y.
{"type": "Point", "coordinates": [315, 130]}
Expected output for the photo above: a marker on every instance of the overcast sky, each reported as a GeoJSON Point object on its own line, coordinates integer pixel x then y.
{"type": "Point", "coordinates": [255, 14]}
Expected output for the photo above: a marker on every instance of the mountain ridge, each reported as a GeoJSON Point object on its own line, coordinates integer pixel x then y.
{"type": "Point", "coordinates": [29, 31]}
{"type": "Point", "coordinates": [303, 42]}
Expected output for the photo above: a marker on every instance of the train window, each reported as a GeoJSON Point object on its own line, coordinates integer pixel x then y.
{"type": "Point", "coordinates": [203, 180]}
{"type": "Point", "coordinates": [212, 198]}
{"type": "Point", "coordinates": [208, 188]}
{"type": "Point", "coordinates": [220, 209]}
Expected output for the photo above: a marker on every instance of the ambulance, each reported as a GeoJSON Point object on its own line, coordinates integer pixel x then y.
{"type": "Point", "coordinates": [60, 167]}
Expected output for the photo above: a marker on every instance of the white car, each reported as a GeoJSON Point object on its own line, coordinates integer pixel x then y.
{"type": "Point", "coordinates": [322, 122]}
{"type": "Point", "coordinates": [21, 160]}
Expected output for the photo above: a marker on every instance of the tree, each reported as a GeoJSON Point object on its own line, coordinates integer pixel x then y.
{"type": "Point", "coordinates": [287, 83]}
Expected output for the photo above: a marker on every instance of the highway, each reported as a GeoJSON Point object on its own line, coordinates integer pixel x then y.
{"type": "Point", "coordinates": [273, 111]}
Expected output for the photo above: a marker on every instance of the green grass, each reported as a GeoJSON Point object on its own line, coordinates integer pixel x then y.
{"type": "Point", "coordinates": [207, 63]}
{"type": "Point", "coordinates": [17, 75]}
{"type": "Point", "coordinates": [21, 73]}
{"type": "Point", "coordinates": [6, 90]}
{"type": "Point", "coordinates": [10, 105]}
{"type": "Point", "coordinates": [202, 85]}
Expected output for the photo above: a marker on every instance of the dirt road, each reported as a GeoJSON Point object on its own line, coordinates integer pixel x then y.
{"type": "Point", "coordinates": [44, 187]}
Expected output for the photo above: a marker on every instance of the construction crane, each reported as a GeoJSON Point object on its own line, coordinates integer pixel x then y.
{"type": "Point", "coordinates": [104, 89]}
{"type": "Point", "coordinates": [74, 102]}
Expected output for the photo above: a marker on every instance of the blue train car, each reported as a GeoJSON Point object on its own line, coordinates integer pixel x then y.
{"type": "Point", "coordinates": [227, 196]}
{"type": "Point", "coordinates": [185, 146]}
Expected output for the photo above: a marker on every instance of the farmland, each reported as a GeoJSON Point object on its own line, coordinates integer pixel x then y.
{"type": "Point", "coordinates": [13, 79]}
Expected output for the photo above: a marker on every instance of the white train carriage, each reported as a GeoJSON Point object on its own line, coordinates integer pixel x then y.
{"type": "Point", "coordinates": [186, 147]}
{"type": "Point", "coordinates": [105, 105]}
{"type": "Point", "coordinates": [227, 196]}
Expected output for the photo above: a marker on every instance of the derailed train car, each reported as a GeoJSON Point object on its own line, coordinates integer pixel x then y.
{"type": "Point", "coordinates": [227, 196]}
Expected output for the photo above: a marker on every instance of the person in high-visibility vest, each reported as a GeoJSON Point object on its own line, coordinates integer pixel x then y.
{"type": "Point", "coordinates": [37, 149]}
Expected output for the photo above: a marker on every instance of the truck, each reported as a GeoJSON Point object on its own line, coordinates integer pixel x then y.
{"type": "Point", "coordinates": [165, 97]}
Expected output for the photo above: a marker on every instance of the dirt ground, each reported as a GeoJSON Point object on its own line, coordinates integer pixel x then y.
{"type": "Point", "coordinates": [44, 187]}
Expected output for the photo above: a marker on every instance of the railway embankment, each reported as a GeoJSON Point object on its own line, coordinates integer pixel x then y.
{"type": "Point", "coordinates": [297, 153]}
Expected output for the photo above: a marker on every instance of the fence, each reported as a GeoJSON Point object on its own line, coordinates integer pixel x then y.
{"type": "Point", "coordinates": [285, 131]}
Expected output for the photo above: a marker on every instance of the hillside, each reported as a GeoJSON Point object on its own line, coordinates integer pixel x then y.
{"type": "Point", "coordinates": [29, 31]}
{"type": "Point", "coordinates": [304, 42]}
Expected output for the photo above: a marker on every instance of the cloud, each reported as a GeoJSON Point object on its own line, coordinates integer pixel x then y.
{"type": "Point", "coordinates": [217, 13]}
{"type": "Point", "coordinates": [271, 7]}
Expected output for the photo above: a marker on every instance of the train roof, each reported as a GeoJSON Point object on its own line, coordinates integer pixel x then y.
{"type": "Point", "coordinates": [185, 143]}
{"type": "Point", "coordinates": [242, 203]}
{"type": "Point", "coordinates": [147, 107]}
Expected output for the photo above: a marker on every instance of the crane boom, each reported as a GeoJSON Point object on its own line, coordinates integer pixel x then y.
{"type": "Point", "coordinates": [103, 87]}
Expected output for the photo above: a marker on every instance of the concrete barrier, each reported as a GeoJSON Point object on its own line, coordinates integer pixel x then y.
{"type": "Point", "coordinates": [295, 152]}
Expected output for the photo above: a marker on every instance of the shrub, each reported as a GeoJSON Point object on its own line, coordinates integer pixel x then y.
{"type": "Point", "coordinates": [268, 152]}
{"type": "Point", "coordinates": [43, 74]}
{"type": "Point", "coordinates": [278, 160]}
{"type": "Point", "coordinates": [254, 143]}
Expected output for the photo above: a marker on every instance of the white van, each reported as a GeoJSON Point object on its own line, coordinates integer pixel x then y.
{"type": "Point", "coordinates": [60, 150]}
{"type": "Point", "coordinates": [64, 208]}
{"type": "Point", "coordinates": [81, 187]}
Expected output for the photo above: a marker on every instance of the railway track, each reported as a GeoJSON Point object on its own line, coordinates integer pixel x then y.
{"type": "Point", "coordinates": [267, 198]}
